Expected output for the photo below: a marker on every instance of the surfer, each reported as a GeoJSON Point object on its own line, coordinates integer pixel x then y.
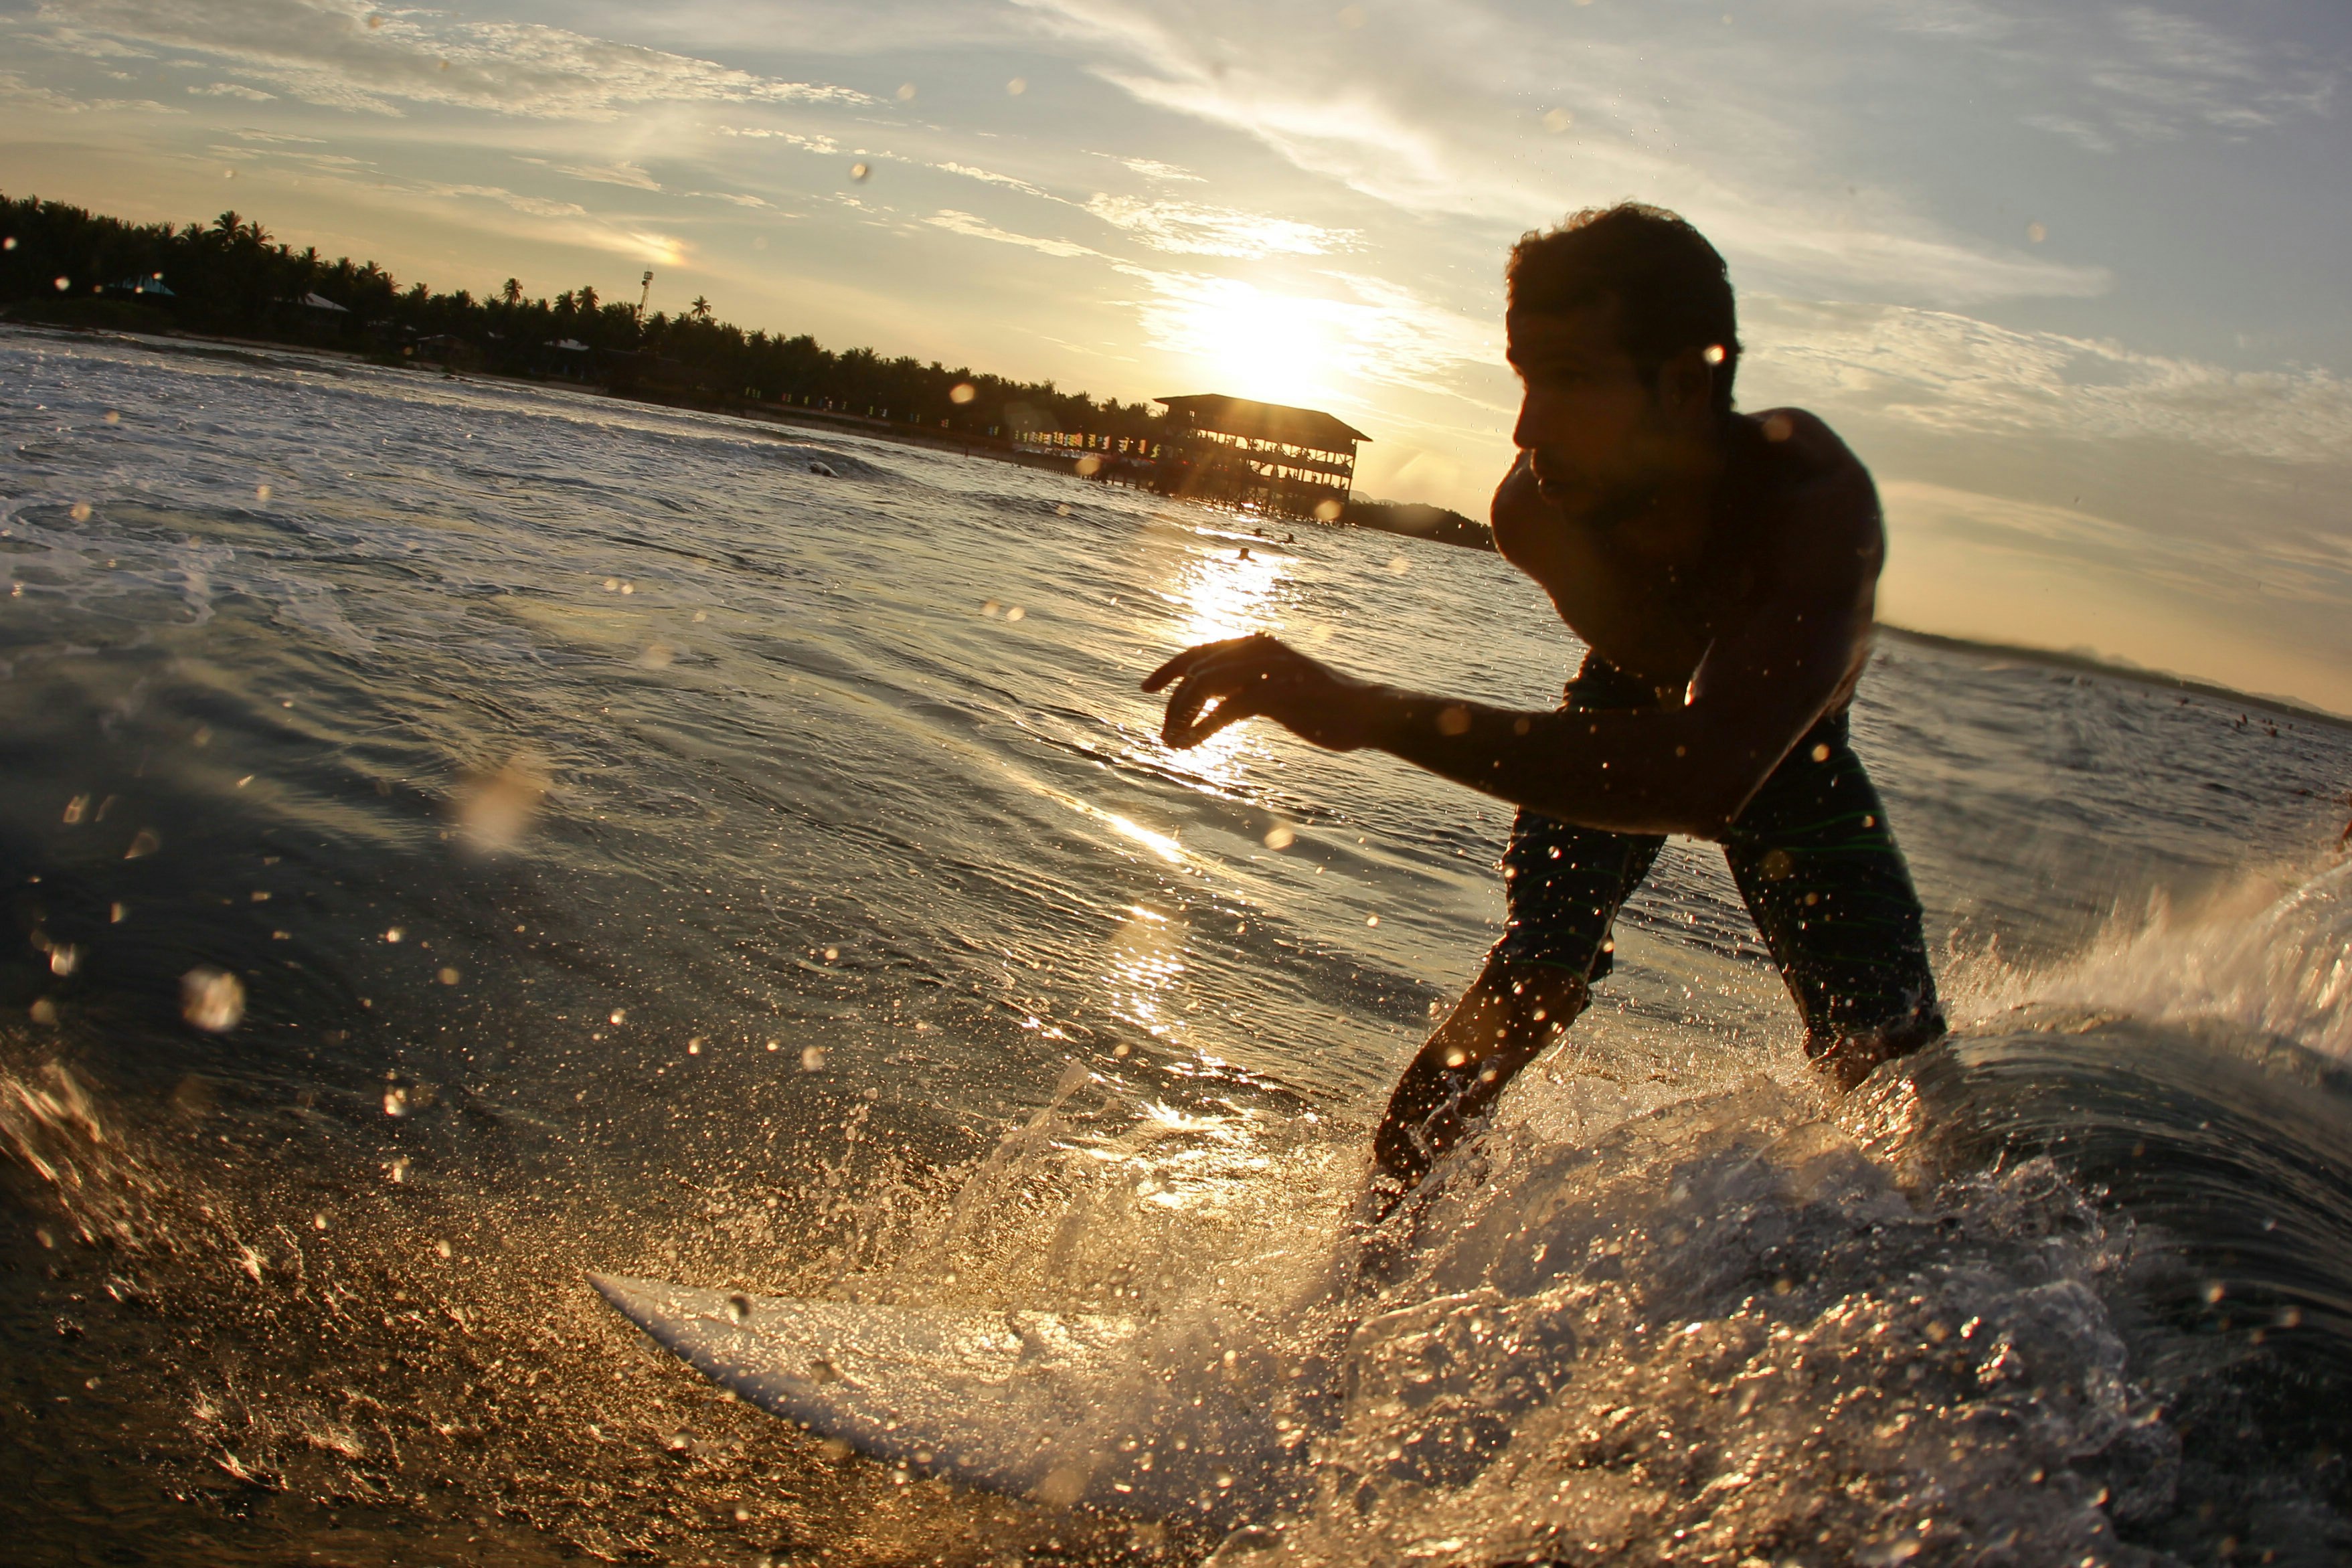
{"type": "Point", "coordinates": [1721, 569]}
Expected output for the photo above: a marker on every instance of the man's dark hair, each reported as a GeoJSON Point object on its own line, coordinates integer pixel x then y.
{"type": "Point", "coordinates": [1672, 291]}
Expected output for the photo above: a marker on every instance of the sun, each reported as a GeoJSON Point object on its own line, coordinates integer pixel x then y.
{"type": "Point", "coordinates": [1248, 342]}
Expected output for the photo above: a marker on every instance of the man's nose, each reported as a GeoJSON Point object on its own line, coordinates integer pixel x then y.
{"type": "Point", "coordinates": [1523, 430]}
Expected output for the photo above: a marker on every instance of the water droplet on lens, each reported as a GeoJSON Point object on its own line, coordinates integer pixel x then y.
{"type": "Point", "coordinates": [739, 1309]}
{"type": "Point", "coordinates": [859, 171]}
{"type": "Point", "coordinates": [813, 1059]}
{"type": "Point", "coordinates": [79, 512]}
{"type": "Point", "coordinates": [212, 999]}
{"type": "Point", "coordinates": [396, 1102]}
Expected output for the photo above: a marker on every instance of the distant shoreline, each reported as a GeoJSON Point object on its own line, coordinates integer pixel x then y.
{"type": "Point", "coordinates": [817, 420]}
{"type": "Point", "coordinates": [2090, 664]}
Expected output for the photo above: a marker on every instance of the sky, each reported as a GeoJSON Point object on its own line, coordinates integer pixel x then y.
{"type": "Point", "coordinates": [2071, 277]}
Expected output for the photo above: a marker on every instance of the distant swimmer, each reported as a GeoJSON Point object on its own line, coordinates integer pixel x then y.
{"type": "Point", "coordinates": [1722, 570]}
{"type": "Point", "coordinates": [1245, 555]}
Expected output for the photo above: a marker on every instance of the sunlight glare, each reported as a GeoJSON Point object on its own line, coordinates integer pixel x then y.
{"type": "Point", "coordinates": [1250, 343]}
{"type": "Point", "coordinates": [1224, 595]}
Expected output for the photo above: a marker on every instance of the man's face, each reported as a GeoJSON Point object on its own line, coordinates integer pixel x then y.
{"type": "Point", "coordinates": [1590, 420]}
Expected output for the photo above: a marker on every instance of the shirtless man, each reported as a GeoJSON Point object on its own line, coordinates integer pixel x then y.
{"type": "Point", "coordinates": [1721, 569]}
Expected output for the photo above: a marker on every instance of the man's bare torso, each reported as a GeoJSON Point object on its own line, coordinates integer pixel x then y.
{"type": "Point", "coordinates": [1790, 503]}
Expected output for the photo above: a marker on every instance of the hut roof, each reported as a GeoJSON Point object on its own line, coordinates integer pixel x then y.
{"type": "Point", "coordinates": [1263, 422]}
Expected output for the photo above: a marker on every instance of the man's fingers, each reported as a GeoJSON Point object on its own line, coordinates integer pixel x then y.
{"type": "Point", "coordinates": [1225, 670]}
{"type": "Point", "coordinates": [1235, 707]}
{"type": "Point", "coordinates": [1171, 669]}
{"type": "Point", "coordinates": [1195, 691]}
{"type": "Point", "coordinates": [1185, 661]}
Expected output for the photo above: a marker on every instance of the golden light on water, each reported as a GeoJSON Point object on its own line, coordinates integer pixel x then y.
{"type": "Point", "coordinates": [1145, 969]}
{"type": "Point", "coordinates": [1222, 593]}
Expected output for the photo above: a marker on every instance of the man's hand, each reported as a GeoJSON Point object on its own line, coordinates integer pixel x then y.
{"type": "Point", "coordinates": [1262, 676]}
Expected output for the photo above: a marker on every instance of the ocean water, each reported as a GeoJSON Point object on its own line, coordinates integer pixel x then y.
{"type": "Point", "coordinates": [621, 848]}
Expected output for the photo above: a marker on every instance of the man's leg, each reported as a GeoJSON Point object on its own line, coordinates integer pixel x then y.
{"type": "Point", "coordinates": [1510, 1013]}
{"type": "Point", "coordinates": [1819, 869]}
{"type": "Point", "coordinates": [1564, 885]}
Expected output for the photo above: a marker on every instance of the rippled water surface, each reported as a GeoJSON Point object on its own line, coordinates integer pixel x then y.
{"type": "Point", "coordinates": [622, 848]}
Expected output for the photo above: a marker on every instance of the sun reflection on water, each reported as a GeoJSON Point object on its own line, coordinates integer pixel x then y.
{"type": "Point", "coordinates": [1146, 961]}
{"type": "Point", "coordinates": [1219, 593]}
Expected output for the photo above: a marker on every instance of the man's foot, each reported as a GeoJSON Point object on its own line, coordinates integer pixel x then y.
{"type": "Point", "coordinates": [1846, 1060]}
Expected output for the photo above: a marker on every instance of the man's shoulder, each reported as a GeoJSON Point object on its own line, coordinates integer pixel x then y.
{"type": "Point", "coordinates": [1826, 507]}
{"type": "Point", "coordinates": [1804, 441]}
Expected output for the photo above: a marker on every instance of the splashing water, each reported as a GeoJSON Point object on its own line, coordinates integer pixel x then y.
{"type": "Point", "coordinates": [2273, 958]}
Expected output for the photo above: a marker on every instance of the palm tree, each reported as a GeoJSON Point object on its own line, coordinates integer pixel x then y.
{"type": "Point", "coordinates": [701, 308]}
{"type": "Point", "coordinates": [512, 292]}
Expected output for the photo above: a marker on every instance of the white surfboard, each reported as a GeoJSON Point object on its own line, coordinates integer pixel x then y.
{"type": "Point", "coordinates": [1049, 1406]}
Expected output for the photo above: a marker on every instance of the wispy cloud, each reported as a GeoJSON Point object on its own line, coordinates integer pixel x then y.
{"type": "Point", "coordinates": [621, 174]}
{"type": "Point", "coordinates": [737, 198]}
{"type": "Point", "coordinates": [234, 89]}
{"type": "Point", "coordinates": [1409, 121]}
{"type": "Point", "coordinates": [15, 89]}
{"type": "Point", "coordinates": [1183, 229]}
{"type": "Point", "coordinates": [1954, 375]}
{"type": "Point", "coordinates": [348, 56]}
{"type": "Point", "coordinates": [1152, 169]}
{"type": "Point", "coordinates": [973, 227]}
{"type": "Point", "coordinates": [989, 177]}
{"type": "Point", "coordinates": [807, 144]}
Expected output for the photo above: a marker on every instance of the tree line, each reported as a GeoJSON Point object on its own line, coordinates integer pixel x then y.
{"type": "Point", "coordinates": [231, 277]}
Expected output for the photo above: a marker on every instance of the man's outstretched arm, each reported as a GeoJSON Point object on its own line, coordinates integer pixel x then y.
{"type": "Point", "coordinates": [1681, 770]}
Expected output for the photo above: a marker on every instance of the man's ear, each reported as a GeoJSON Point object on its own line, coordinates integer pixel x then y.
{"type": "Point", "coordinates": [1686, 382]}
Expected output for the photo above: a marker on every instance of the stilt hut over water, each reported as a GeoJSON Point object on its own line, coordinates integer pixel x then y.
{"type": "Point", "coordinates": [1231, 452]}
